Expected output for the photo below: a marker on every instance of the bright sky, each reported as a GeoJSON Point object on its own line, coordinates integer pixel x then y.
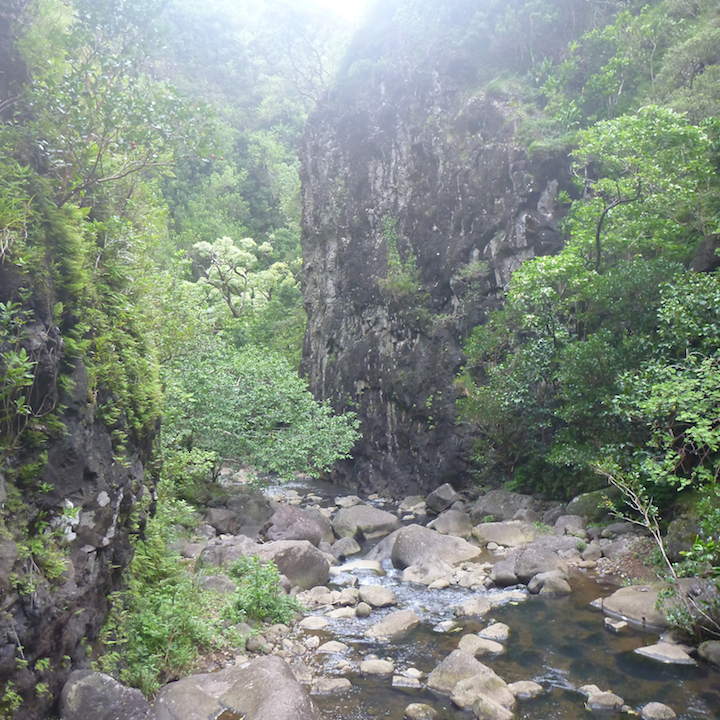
{"type": "Point", "coordinates": [350, 9]}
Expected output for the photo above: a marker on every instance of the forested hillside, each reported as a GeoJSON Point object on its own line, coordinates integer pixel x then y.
{"type": "Point", "coordinates": [510, 222]}
{"type": "Point", "coordinates": [150, 310]}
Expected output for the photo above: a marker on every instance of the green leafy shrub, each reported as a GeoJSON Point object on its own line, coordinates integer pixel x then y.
{"type": "Point", "coordinates": [259, 595]}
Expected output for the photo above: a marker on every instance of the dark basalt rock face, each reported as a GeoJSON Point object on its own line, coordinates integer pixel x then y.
{"type": "Point", "coordinates": [412, 168]}
{"type": "Point", "coordinates": [85, 493]}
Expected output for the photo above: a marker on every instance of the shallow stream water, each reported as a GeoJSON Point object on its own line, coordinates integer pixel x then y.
{"type": "Point", "coordinates": [557, 641]}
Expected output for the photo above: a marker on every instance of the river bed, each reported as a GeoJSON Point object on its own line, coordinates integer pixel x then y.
{"type": "Point", "coordinates": [557, 641]}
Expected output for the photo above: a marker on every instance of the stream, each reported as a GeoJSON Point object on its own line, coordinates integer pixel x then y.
{"type": "Point", "coordinates": [557, 641]}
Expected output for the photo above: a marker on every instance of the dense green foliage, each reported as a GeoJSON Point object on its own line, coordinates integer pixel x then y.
{"type": "Point", "coordinates": [259, 595]}
{"type": "Point", "coordinates": [139, 151]}
{"type": "Point", "coordinates": [603, 362]}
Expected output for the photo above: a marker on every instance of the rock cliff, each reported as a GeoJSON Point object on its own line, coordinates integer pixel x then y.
{"type": "Point", "coordinates": [66, 496]}
{"type": "Point", "coordinates": [418, 203]}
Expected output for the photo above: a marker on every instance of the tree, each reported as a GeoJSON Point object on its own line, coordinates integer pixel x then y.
{"type": "Point", "coordinates": [248, 406]}
{"type": "Point", "coordinates": [644, 179]}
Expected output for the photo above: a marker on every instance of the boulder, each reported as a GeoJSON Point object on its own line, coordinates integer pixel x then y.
{"type": "Point", "coordinates": [534, 560]}
{"type": "Point", "coordinates": [364, 521]}
{"type": "Point", "coordinates": [250, 507]}
{"type": "Point", "coordinates": [94, 695]}
{"type": "Point", "coordinates": [485, 708]}
{"type": "Point", "coordinates": [261, 689]}
{"type": "Point", "coordinates": [383, 549]}
{"type": "Point", "coordinates": [475, 606]}
{"type": "Point", "coordinates": [415, 544]}
{"type": "Point", "coordinates": [636, 604]}
{"type": "Point", "coordinates": [419, 711]}
{"type": "Point", "coordinates": [616, 529]}
{"type": "Point", "coordinates": [591, 504]}
{"type": "Point", "coordinates": [554, 582]}
{"type": "Point", "coordinates": [503, 573]}
{"type": "Point", "coordinates": [486, 685]}
{"type": "Point", "coordinates": [428, 573]}
{"type": "Point", "coordinates": [300, 561]}
{"type": "Point", "coordinates": [394, 625]}
{"type": "Point", "coordinates": [500, 504]}
{"type": "Point", "coordinates": [452, 522]}
{"type": "Point", "coordinates": [222, 520]}
{"type": "Point", "coordinates": [411, 503]}
{"type": "Point", "coordinates": [478, 646]}
{"type": "Point", "coordinates": [375, 666]}
{"type": "Point", "coordinates": [666, 653]}
{"type": "Point", "coordinates": [344, 547]}
{"type": "Point", "coordinates": [329, 686]}
{"type": "Point", "coordinates": [657, 711]}
{"type": "Point", "coordinates": [499, 632]}
{"type": "Point", "coordinates": [510, 533]}
{"type": "Point", "coordinates": [571, 525]}
{"type": "Point", "coordinates": [442, 498]}
{"type": "Point", "coordinates": [347, 501]}
{"type": "Point", "coordinates": [318, 516]}
{"type": "Point", "coordinates": [604, 703]}
{"type": "Point", "coordinates": [291, 523]}
{"type": "Point", "coordinates": [377, 596]}
{"type": "Point", "coordinates": [220, 552]}
{"type": "Point", "coordinates": [460, 665]}
{"type": "Point", "coordinates": [681, 534]}
{"type": "Point", "coordinates": [709, 651]}
{"type": "Point", "coordinates": [526, 689]}
{"type": "Point", "coordinates": [218, 583]}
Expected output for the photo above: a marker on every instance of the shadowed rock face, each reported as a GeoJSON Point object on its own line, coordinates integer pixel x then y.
{"type": "Point", "coordinates": [420, 172]}
{"type": "Point", "coordinates": [88, 495]}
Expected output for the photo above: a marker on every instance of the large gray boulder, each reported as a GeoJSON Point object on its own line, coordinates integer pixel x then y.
{"type": "Point", "coordinates": [94, 695]}
{"type": "Point", "coordinates": [592, 504]}
{"type": "Point", "coordinates": [415, 544]}
{"type": "Point", "coordinates": [220, 552]}
{"type": "Point", "coordinates": [500, 504]}
{"type": "Point", "coordinates": [364, 521]}
{"type": "Point", "coordinates": [442, 498]}
{"type": "Point", "coordinates": [261, 689]}
{"type": "Point", "coordinates": [510, 533]}
{"type": "Point", "coordinates": [291, 523]}
{"type": "Point", "coordinates": [247, 505]}
{"type": "Point", "coordinates": [534, 560]}
{"type": "Point", "coordinates": [377, 596]}
{"type": "Point", "coordinates": [394, 625]}
{"type": "Point", "coordinates": [709, 651]}
{"type": "Point", "coordinates": [452, 522]}
{"type": "Point", "coordinates": [636, 604]}
{"type": "Point", "coordinates": [466, 679]}
{"type": "Point", "coordinates": [300, 561]}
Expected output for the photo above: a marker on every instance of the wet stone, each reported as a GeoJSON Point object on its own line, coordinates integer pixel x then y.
{"type": "Point", "coordinates": [526, 689]}
{"type": "Point", "coordinates": [657, 711]}
{"type": "Point", "coordinates": [420, 711]}
{"type": "Point", "coordinates": [666, 653]}
{"type": "Point", "coordinates": [499, 632]}
{"type": "Point", "coordinates": [330, 686]}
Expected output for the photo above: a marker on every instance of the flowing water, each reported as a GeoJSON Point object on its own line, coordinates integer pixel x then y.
{"type": "Point", "coordinates": [557, 641]}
